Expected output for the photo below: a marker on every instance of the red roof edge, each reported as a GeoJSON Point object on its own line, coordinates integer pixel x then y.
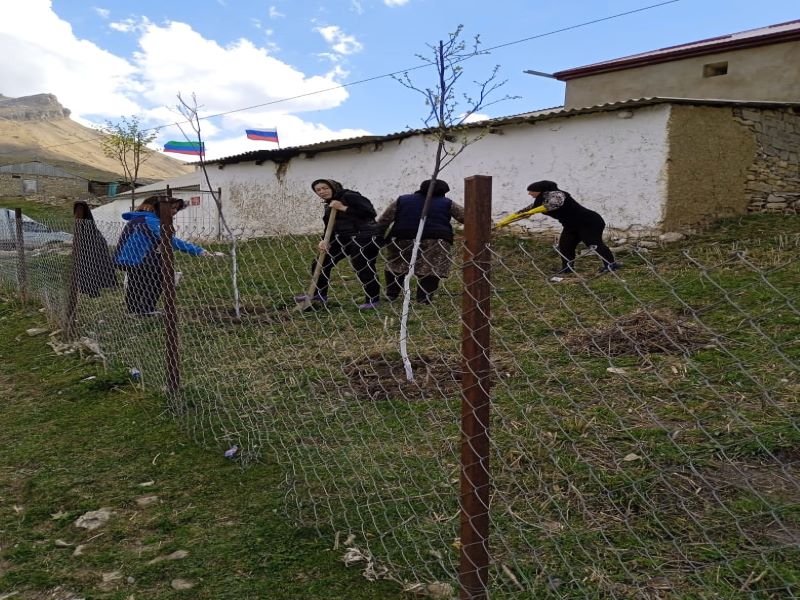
{"type": "Point", "coordinates": [679, 52]}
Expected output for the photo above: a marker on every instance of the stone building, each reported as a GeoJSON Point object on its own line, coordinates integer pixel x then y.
{"type": "Point", "coordinates": [45, 179]}
{"type": "Point", "coordinates": [755, 65]}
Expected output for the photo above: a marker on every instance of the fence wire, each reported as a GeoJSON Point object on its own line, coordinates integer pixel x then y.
{"type": "Point", "coordinates": [644, 422]}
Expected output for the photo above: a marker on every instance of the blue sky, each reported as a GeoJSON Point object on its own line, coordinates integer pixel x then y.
{"type": "Point", "coordinates": [109, 58]}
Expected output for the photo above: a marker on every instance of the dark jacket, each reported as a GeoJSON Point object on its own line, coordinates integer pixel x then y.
{"type": "Point", "coordinates": [359, 218]}
{"type": "Point", "coordinates": [566, 210]}
{"type": "Point", "coordinates": [409, 212]}
{"type": "Point", "coordinates": [94, 266]}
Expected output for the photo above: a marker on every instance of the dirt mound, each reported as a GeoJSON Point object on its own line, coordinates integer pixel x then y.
{"type": "Point", "coordinates": [640, 332]}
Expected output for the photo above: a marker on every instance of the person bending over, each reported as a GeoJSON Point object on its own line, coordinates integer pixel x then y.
{"type": "Point", "coordinates": [579, 225]}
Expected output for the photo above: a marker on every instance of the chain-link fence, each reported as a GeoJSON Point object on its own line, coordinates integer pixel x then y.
{"type": "Point", "coordinates": [643, 431]}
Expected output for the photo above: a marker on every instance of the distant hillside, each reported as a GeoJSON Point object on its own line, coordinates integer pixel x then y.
{"type": "Point", "coordinates": [39, 127]}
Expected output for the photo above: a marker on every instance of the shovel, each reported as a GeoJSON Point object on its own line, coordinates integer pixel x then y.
{"type": "Point", "coordinates": [312, 287]}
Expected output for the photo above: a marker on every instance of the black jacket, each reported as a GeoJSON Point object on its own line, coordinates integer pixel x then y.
{"type": "Point", "coordinates": [359, 218]}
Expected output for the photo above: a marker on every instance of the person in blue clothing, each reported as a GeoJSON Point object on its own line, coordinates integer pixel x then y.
{"type": "Point", "coordinates": [138, 254]}
{"type": "Point", "coordinates": [434, 256]}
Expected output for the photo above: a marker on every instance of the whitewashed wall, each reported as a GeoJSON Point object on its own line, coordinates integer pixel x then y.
{"type": "Point", "coordinates": [613, 162]}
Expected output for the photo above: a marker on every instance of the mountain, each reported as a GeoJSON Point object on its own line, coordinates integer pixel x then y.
{"type": "Point", "coordinates": [38, 127]}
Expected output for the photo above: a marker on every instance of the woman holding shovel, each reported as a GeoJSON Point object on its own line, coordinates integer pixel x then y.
{"type": "Point", "coordinates": [350, 232]}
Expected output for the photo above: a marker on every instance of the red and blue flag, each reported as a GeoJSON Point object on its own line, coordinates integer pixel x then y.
{"type": "Point", "coordinates": [263, 135]}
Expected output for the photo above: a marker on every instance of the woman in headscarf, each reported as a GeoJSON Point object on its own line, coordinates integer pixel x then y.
{"type": "Point", "coordinates": [355, 236]}
{"type": "Point", "coordinates": [433, 258]}
{"type": "Point", "coordinates": [579, 225]}
{"type": "Point", "coordinates": [94, 266]}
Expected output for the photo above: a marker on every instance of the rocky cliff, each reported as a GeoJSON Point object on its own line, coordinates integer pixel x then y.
{"type": "Point", "coordinates": [39, 107]}
{"type": "Point", "coordinates": [38, 127]}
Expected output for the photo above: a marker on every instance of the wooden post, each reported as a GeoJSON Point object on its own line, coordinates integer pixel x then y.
{"type": "Point", "coordinates": [22, 270]}
{"type": "Point", "coordinates": [171, 345]}
{"type": "Point", "coordinates": [79, 211]}
{"type": "Point", "coordinates": [475, 319]}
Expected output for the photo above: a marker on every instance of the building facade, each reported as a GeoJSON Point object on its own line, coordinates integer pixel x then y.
{"type": "Point", "coordinates": [756, 65]}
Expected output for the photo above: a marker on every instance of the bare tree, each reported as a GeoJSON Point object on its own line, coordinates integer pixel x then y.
{"type": "Point", "coordinates": [126, 142]}
{"type": "Point", "coordinates": [446, 121]}
{"type": "Point", "coordinates": [189, 111]}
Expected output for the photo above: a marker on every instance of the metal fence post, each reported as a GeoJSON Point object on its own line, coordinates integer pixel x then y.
{"type": "Point", "coordinates": [171, 345]}
{"type": "Point", "coordinates": [22, 270]}
{"type": "Point", "coordinates": [79, 211]}
{"type": "Point", "coordinates": [475, 476]}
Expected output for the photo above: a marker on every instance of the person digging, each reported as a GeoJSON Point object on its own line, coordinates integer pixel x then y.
{"type": "Point", "coordinates": [579, 223]}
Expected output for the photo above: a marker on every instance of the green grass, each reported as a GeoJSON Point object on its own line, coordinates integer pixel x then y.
{"type": "Point", "coordinates": [39, 211]}
{"type": "Point", "coordinates": [706, 504]}
{"type": "Point", "coordinates": [75, 438]}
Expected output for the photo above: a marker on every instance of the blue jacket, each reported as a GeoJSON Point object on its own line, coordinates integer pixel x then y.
{"type": "Point", "coordinates": [139, 240]}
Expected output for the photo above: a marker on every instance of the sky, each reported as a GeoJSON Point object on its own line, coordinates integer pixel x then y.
{"type": "Point", "coordinates": [299, 62]}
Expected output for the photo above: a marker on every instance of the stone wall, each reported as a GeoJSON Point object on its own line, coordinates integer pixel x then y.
{"type": "Point", "coordinates": [57, 187]}
{"type": "Point", "coordinates": [773, 179]}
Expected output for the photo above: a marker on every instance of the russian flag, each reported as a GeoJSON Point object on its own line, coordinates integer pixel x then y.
{"type": "Point", "coordinates": [193, 148]}
{"type": "Point", "coordinates": [263, 135]}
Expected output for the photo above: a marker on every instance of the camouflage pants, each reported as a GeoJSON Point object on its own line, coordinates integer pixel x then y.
{"type": "Point", "coordinates": [434, 257]}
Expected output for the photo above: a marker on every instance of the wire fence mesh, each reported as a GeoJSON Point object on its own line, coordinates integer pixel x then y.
{"type": "Point", "coordinates": [644, 422]}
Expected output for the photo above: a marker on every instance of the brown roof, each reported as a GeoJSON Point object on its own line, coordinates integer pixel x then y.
{"type": "Point", "coordinates": [773, 34]}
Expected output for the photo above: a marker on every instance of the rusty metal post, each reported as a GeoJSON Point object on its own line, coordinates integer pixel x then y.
{"type": "Point", "coordinates": [22, 269]}
{"type": "Point", "coordinates": [79, 211]}
{"type": "Point", "coordinates": [171, 345]}
{"type": "Point", "coordinates": [475, 313]}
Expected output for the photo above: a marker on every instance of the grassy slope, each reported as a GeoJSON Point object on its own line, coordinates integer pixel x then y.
{"type": "Point", "coordinates": [70, 445]}
{"type": "Point", "coordinates": [710, 424]}
{"type": "Point", "coordinates": [38, 211]}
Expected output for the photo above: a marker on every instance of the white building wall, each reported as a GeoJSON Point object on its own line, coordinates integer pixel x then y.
{"type": "Point", "coordinates": [612, 162]}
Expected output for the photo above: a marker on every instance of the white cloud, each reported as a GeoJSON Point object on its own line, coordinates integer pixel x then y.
{"type": "Point", "coordinates": [395, 2]}
{"type": "Point", "coordinates": [475, 117]}
{"type": "Point", "coordinates": [124, 26]}
{"type": "Point", "coordinates": [49, 58]}
{"type": "Point", "coordinates": [339, 41]}
{"type": "Point", "coordinates": [172, 57]}
{"type": "Point", "coordinates": [274, 13]}
{"type": "Point", "coordinates": [357, 7]}
{"type": "Point", "coordinates": [102, 12]}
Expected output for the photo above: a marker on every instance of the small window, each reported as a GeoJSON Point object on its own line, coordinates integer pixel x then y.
{"type": "Point", "coordinates": [715, 69]}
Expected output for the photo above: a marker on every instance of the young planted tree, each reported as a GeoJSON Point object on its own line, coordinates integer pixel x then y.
{"type": "Point", "coordinates": [126, 142]}
{"type": "Point", "coordinates": [189, 111]}
{"type": "Point", "coordinates": [448, 112]}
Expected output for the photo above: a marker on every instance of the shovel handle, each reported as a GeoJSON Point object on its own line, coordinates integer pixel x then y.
{"type": "Point", "coordinates": [312, 287]}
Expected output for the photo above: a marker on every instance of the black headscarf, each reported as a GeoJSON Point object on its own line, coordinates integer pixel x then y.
{"type": "Point", "coordinates": [543, 186]}
{"type": "Point", "coordinates": [440, 188]}
{"type": "Point", "coordinates": [332, 183]}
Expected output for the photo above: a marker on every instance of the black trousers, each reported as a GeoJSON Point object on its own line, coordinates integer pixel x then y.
{"type": "Point", "coordinates": [363, 253]}
{"type": "Point", "coordinates": [426, 286]}
{"type": "Point", "coordinates": [143, 289]}
{"type": "Point", "coordinates": [591, 234]}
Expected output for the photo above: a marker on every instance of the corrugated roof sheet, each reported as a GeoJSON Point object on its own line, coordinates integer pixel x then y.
{"type": "Point", "coordinates": [284, 154]}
